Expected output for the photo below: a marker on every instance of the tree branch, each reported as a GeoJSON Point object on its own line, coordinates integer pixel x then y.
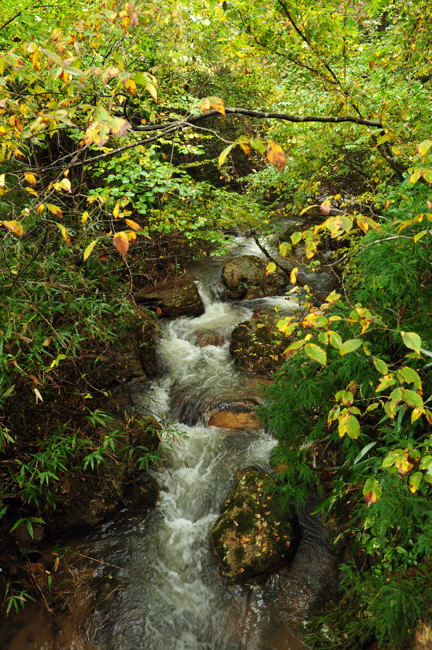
{"type": "Point", "coordinates": [189, 121]}
{"type": "Point", "coordinates": [229, 110]}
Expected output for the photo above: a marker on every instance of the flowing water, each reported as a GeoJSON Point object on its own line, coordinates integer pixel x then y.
{"type": "Point", "coordinates": [158, 587]}
{"type": "Point", "coordinates": [173, 597]}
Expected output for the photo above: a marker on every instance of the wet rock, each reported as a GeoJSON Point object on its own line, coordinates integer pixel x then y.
{"type": "Point", "coordinates": [141, 494]}
{"type": "Point", "coordinates": [245, 278]}
{"type": "Point", "coordinates": [148, 334]}
{"type": "Point", "coordinates": [257, 346]}
{"type": "Point", "coordinates": [312, 217]}
{"type": "Point", "coordinates": [132, 357]}
{"type": "Point", "coordinates": [253, 535]}
{"type": "Point", "coordinates": [203, 339]}
{"type": "Point", "coordinates": [238, 420]}
{"type": "Point", "coordinates": [117, 365]}
{"type": "Point", "coordinates": [177, 297]}
{"type": "Point", "coordinates": [311, 580]}
{"type": "Point", "coordinates": [320, 282]}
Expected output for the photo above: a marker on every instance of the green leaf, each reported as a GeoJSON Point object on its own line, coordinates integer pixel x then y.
{"type": "Point", "coordinates": [353, 427]}
{"type": "Point", "coordinates": [349, 346]}
{"type": "Point", "coordinates": [372, 491]}
{"type": "Point", "coordinates": [364, 451]}
{"type": "Point", "coordinates": [414, 481]}
{"type": "Point", "coordinates": [409, 376]}
{"type": "Point", "coordinates": [316, 353]}
{"type": "Point", "coordinates": [335, 339]}
{"type": "Point", "coordinates": [258, 145]}
{"type": "Point", "coordinates": [284, 248]}
{"type": "Point", "coordinates": [380, 365]}
{"type": "Point", "coordinates": [412, 341]}
{"type": "Point", "coordinates": [270, 268]}
{"type": "Point", "coordinates": [412, 398]}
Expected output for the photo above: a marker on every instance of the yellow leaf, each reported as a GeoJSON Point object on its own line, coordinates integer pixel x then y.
{"type": "Point", "coordinates": [2, 181]}
{"type": "Point", "coordinates": [270, 268]}
{"type": "Point", "coordinates": [64, 233]}
{"type": "Point", "coordinates": [30, 178]}
{"type": "Point", "coordinates": [64, 184]}
{"type": "Point", "coordinates": [121, 242]}
{"type": "Point", "coordinates": [293, 275]}
{"type": "Point", "coordinates": [30, 190]}
{"type": "Point", "coordinates": [13, 226]}
{"type": "Point", "coordinates": [204, 105]}
{"type": "Point", "coordinates": [89, 249]}
{"type": "Point", "coordinates": [315, 205]}
{"type": "Point", "coordinates": [84, 217]}
{"type": "Point", "coordinates": [151, 88]}
{"type": "Point", "coordinates": [133, 224]}
{"type": "Point", "coordinates": [218, 104]}
{"type": "Point", "coordinates": [40, 208]}
{"type": "Point", "coordinates": [64, 75]}
{"type": "Point", "coordinates": [246, 148]}
{"type": "Point", "coordinates": [116, 211]}
{"type": "Point", "coordinates": [276, 155]}
{"type": "Point", "coordinates": [131, 235]}
{"type": "Point", "coordinates": [130, 86]}
{"type": "Point", "coordinates": [224, 154]}
{"type": "Point", "coordinates": [54, 209]}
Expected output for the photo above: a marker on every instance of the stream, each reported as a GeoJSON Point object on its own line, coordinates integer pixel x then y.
{"type": "Point", "coordinates": [158, 587]}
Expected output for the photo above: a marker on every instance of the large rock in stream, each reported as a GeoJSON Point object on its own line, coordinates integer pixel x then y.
{"type": "Point", "coordinates": [257, 346]}
{"type": "Point", "coordinates": [254, 534]}
{"type": "Point", "coordinates": [245, 278]}
{"type": "Point", "coordinates": [174, 298]}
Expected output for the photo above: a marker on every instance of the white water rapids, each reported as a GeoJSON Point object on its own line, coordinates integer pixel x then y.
{"type": "Point", "coordinates": [173, 597]}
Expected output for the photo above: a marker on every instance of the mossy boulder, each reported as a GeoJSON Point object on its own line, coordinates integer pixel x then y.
{"type": "Point", "coordinates": [254, 534]}
{"type": "Point", "coordinates": [245, 278]}
{"type": "Point", "coordinates": [257, 346]}
{"type": "Point", "coordinates": [174, 298]}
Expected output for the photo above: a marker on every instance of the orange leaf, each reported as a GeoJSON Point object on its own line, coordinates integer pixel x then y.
{"type": "Point", "coordinates": [30, 178]}
{"type": "Point", "coordinates": [133, 224]}
{"type": "Point", "coordinates": [276, 155]}
{"type": "Point", "coordinates": [121, 242]}
{"type": "Point", "coordinates": [325, 207]}
{"type": "Point", "coordinates": [14, 226]}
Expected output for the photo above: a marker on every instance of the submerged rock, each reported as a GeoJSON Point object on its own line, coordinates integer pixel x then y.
{"type": "Point", "coordinates": [245, 277]}
{"type": "Point", "coordinates": [253, 535]}
{"type": "Point", "coordinates": [203, 338]}
{"type": "Point", "coordinates": [177, 297]}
